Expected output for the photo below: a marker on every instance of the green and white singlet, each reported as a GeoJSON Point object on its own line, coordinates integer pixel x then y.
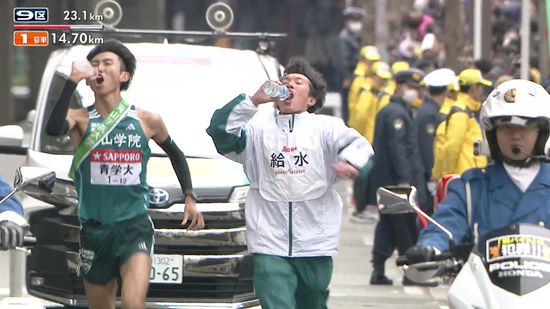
{"type": "Point", "coordinates": [111, 180]}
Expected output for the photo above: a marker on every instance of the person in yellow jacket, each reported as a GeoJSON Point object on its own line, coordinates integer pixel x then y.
{"type": "Point", "coordinates": [452, 94]}
{"type": "Point", "coordinates": [396, 66]}
{"type": "Point", "coordinates": [384, 98]}
{"type": "Point", "coordinates": [367, 56]}
{"type": "Point", "coordinates": [463, 128]}
{"type": "Point", "coordinates": [439, 141]}
{"type": "Point", "coordinates": [364, 113]}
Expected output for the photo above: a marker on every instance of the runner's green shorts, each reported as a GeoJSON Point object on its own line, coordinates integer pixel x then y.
{"type": "Point", "coordinates": [104, 248]}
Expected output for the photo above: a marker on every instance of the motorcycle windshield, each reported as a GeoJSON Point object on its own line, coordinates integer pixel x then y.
{"type": "Point", "coordinates": [517, 257]}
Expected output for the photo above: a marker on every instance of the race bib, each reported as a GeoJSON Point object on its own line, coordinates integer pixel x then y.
{"type": "Point", "coordinates": [115, 167]}
{"type": "Point", "coordinates": [293, 166]}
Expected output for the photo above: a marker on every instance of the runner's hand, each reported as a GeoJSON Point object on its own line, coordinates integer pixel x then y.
{"type": "Point", "coordinates": [191, 212]}
{"type": "Point", "coordinates": [82, 69]}
{"type": "Point", "coordinates": [345, 170]}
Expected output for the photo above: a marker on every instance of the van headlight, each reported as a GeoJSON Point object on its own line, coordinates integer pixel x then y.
{"type": "Point", "coordinates": [238, 195]}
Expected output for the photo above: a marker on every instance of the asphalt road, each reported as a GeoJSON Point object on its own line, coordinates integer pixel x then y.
{"type": "Point", "coordinates": [349, 287]}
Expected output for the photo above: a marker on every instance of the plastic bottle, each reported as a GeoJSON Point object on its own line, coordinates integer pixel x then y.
{"type": "Point", "coordinates": [276, 90]}
{"type": "Point", "coordinates": [86, 67]}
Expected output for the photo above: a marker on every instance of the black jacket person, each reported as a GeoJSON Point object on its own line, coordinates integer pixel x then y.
{"type": "Point", "coordinates": [397, 162]}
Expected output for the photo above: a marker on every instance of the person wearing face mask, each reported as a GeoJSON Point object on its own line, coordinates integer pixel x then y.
{"type": "Point", "coordinates": [349, 44]}
{"type": "Point", "coordinates": [514, 188]}
{"type": "Point", "coordinates": [427, 118]}
{"type": "Point", "coordinates": [363, 121]}
{"type": "Point", "coordinates": [292, 157]}
{"type": "Point", "coordinates": [463, 128]}
{"type": "Point", "coordinates": [397, 162]}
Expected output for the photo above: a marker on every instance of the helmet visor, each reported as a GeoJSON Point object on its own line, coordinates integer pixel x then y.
{"type": "Point", "coordinates": [530, 123]}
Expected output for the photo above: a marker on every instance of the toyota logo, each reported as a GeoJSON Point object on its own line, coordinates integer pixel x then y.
{"type": "Point", "coordinates": [158, 197]}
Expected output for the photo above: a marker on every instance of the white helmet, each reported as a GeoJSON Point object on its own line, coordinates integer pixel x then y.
{"type": "Point", "coordinates": [516, 101]}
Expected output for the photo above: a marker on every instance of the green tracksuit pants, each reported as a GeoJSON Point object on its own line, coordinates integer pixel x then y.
{"type": "Point", "coordinates": [288, 283]}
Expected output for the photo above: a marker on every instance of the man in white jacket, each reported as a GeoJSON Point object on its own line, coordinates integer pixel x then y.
{"type": "Point", "coordinates": [292, 157]}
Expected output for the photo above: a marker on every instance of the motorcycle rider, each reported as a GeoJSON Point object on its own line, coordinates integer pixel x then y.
{"type": "Point", "coordinates": [515, 118]}
{"type": "Point", "coordinates": [11, 219]}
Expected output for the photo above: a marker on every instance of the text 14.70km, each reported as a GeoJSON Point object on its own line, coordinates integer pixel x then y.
{"type": "Point", "coordinates": [74, 38]}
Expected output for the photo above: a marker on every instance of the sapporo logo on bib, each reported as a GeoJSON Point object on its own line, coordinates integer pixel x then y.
{"type": "Point", "coordinates": [115, 166]}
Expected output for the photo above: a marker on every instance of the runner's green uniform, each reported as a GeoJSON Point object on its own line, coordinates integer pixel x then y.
{"type": "Point", "coordinates": [113, 198]}
{"type": "Point", "coordinates": [116, 194]}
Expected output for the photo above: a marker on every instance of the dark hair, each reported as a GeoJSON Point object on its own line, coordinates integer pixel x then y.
{"type": "Point", "coordinates": [465, 88]}
{"type": "Point", "coordinates": [436, 90]}
{"type": "Point", "coordinates": [412, 19]}
{"type": "Point", "coordinates": [318, 86]}
{"type": "Point", "coordinates": [483, 65]}
{"type": "Point", "coordinates": [120, 50]}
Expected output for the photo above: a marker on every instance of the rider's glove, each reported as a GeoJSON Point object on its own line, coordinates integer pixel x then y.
{"type": "Point", "coordinates": [432, 187]}
{"type": "Point", "coordinates": [420, 253]}
{"type": "Point", "coordinates": [11, 235]}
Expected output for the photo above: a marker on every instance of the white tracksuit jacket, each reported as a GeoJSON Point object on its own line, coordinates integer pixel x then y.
{"type": "Point", "coordinates": [291, 208]}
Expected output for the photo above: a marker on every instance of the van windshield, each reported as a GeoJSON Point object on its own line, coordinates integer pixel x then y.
{"type": "Point", "coordinates": [184, 84]}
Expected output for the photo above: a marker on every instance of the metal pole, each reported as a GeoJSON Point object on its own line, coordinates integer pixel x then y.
{"type": "Point", "coordinates": [381, 28]}
{"type": "Point", "coordinates": [544, 46]}
{"type": "Point", "coordinates": [525, 37]}
{"type": "Point", "coordinates": [453, 33]}
{"type": "Point", "coordinates": [477, 29]}
{"type": "Point", "coordinates": [486, 30]}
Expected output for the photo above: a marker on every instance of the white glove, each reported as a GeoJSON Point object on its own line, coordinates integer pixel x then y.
{"type": "Point", "coordinates": [11, 235]}
{"type": "Point", "coordinates": [431, 185]}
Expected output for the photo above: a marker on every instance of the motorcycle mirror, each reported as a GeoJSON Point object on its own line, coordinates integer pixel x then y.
{"type": "Point", "coordinates": [396, 199]}
{"type": "Point", "coordinates": [30, 178]}
{"type": "Point", "coordinates": [42, 184]}
{"type": "Point", "coordinates": [399, 200]}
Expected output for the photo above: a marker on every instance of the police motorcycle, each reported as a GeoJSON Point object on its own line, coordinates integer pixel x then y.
{"type": "Point", "coordinates": [38, 183]}
{"type": "Point", "coordinates": [508, 267]}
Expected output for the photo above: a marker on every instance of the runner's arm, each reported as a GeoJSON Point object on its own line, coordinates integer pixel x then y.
{"type": "Point", "coordinates": [179, 163]}
{"type": "Point", "coordinates": [57, 122]}
{"type": "Point", "coordinates": [349, 146]}
{"type": "Point", "coordinates": [228, 127]}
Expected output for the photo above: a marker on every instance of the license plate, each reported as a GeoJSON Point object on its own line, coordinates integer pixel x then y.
{"type": "Point", "coordinates": [166, 269]}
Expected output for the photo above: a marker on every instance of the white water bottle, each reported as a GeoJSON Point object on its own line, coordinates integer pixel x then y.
{"type": "Point", "coordinates": [276, 90]}
{"type": "Point", "coordinates": [86, 67]}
